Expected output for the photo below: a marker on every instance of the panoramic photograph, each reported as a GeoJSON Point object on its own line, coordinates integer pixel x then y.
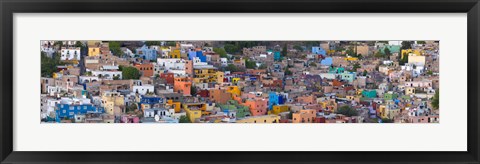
{"type": "Point", "coordinates": [105, 81]}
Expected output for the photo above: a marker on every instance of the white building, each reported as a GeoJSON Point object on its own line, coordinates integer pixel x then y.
{"type": "Point", "coordinates": [48, 50]}
{"type": "Point", "coordinates": [224, 61]}
{"type": "Point", "coordinates": [415, 69]}
{"type": "Point", "coordinates": [72, 53]}
{"type": "Point", "coordinates": [178, 72]}
{"type": "Point", "coordinates": [107, 74]}
{"type": "Point", "coordinates": [168, 64]}
{"type": "Point", "coordinates": [330, 76]}
{"type": "Point", "coordinates": [143, 89]}
{"type": "Point", "coordinates": [53, 90]}
{"type": "Point", "coordinates": [88, 79]}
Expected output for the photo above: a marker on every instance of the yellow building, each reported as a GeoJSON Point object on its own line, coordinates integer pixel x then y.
{"type": "Point", "coordinates": [260, 119]}
{"type": "Point", "coordinates": [175, 53]}
{"type": "Point", "coordinates": [351, 58]}
{"type": "Point", "coordinates": [112, 99]}
{"type": "Point", "coordinates": [194, 110]}
{"type": "Point", "coordinates": [277, 109]}
{"type": "Point", "coordinates": [234, 90]}
{"type": "Point", "coordinates": [205, 74]}
{"type": "Point", "coordinates": [351, 97]}
{"type": "Point", "coordinates": [382, 111]}
{"type": "Point", "coordinates": [359, 91]}
{"type": "Point", "coordinates": [175, 105]}
{"type": "Point", "coordinates": [330, 52]}
{"type": "Point", "coordinates": [235, 80]}
{"type": "Point", "coordinates": [93, 51]}
{"type": "Point", "coordinates": [411, 51]}
{"type": "Point", "coordinates": [220, 76]}
{"type": "Point", "coordinates": [413, 59]}
{"type": "Point", "coordinates": [409, 90]}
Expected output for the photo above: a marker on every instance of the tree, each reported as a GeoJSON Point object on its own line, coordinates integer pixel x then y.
{"type": "Point", "coordinates": [284, 51]}
{"type": "Point", "coordinates": [49, 64]}
{"type": "Point", "coordinates": [287, 71]}
{"type": "Point", "coordinates": [387, 120]}
{"type": "Point", "coordinates": [351, 52]}
{"type": "Point", "coordinates": [115, 48]}
{"type": "Point", "coordinates": [365, 72]}
{"type": "Point", "coordinates": [347, 111]}
{"type": "Point", "coordinates": [58, 43]}
{"type": "Point", "coordinates": [184, 119]}
{"type": "Point", "coordinates": [312, 64]}
{"type": "Point", "coordinates": [387, 52]}
{"type": "Point", "coordinates": [130, 73]}
{"type": "Point", "coordinates": [429, 72]}
{"type": "Point", "coordinates": [131, 108]}
{"type": "Point", "coordinates": [231, 68]}
{"type": "Point", "coordinates": [298, 48]}
{"type": "Point", "coordinates": [151, 43]}
{"type": "Point", "coordinates": [421, 42]}
{"type": "Point", "coordinates": [312, 43]}
{"type": "Point", "coordinates": [115, 77]}
{"type": "Point", "coordinates": [220, 51]}
{"type": "Point", "coordinates": [436, 99]}
{"type": "Point", "coordinates": [193, 90]}
{"type": "Point", "coordinates": [355, 67]}
{"type": "Point", "coordinates": [406, 45]}
{"type": "Point", "coordinates": [230, 48]}
{"type": "Point", "coordinates": [378, 54]}
{"type": "Point", "coordinates": [359, 56]}
{"type": "Point", "coordinates": [262, 66]}
{"type": "Point", "coordinates": [171, 43]}
{"type": "Point", "coordinates": [403, 60]}
{"type": "Point", "coordinates": [250, 64]}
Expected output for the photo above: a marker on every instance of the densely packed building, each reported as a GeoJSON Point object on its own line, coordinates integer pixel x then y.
{"type": "Point", "coordinates": [240, 82]}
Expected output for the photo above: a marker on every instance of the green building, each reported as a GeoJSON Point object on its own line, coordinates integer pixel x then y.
{"type": "Point", "coordinates": [390, 96]}
{"type": "Point", "coordinates": [392, 48]}
{"type": "Point", "coordinates": [232, 105]}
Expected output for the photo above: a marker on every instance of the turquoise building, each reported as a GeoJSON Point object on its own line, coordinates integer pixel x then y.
{"type": "Point", "coordinates": [347, 76]}
{"type": "Point", "coordinates": [369, 94]}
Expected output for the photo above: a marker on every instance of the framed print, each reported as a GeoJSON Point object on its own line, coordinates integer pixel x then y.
{"type": "Point", "coordinates": [244, 81]}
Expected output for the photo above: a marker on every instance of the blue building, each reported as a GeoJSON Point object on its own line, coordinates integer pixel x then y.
{"type": "Point", "coordinates": [151, 100]}
{"type": "Point", "coordinates": [275, 99]}
{"type": "Point", "coordinates": [201, 56]}
{"type": "Point", "coordinates": [147, 53]}
{"type": "Point", "coordinates": [192, 55]}
{"type": "Point", "coordinates": [327, 61]}
{"type": "Point", "coordinates": [276, 56]}
{"type": "Point", "coordinates": [69, 111]}
{"type": "Point", "coordinates": [319, 50]}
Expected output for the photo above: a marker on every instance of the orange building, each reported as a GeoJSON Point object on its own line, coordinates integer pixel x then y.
{"type": "Point", "coordinates": [182, 85]}
{"type": "Point", "coordinates": [304, 116]}
{"type": "Point", "coordinates": [220, 96]}
{"type": "Point", "coordinates": [145, 69]}
{"type": "Point", "coordinates": [307, 99]}
{"type": "Point", "coordinates": [189, 68]}
{"type": "Point", "coordinates": [257, 107]}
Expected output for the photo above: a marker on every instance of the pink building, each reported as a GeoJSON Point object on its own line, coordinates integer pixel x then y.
{"type": "Point", "coordinates": [257, 107]}
{"type": "Point", "coordinates": [129, 119]}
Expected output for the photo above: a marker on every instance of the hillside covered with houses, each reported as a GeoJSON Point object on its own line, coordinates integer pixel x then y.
{"type": "Point", "coordinates": [239, 81]}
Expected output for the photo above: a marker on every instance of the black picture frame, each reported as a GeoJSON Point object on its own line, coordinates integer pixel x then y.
{"type": "Point", "coordinates": [9, 7]}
